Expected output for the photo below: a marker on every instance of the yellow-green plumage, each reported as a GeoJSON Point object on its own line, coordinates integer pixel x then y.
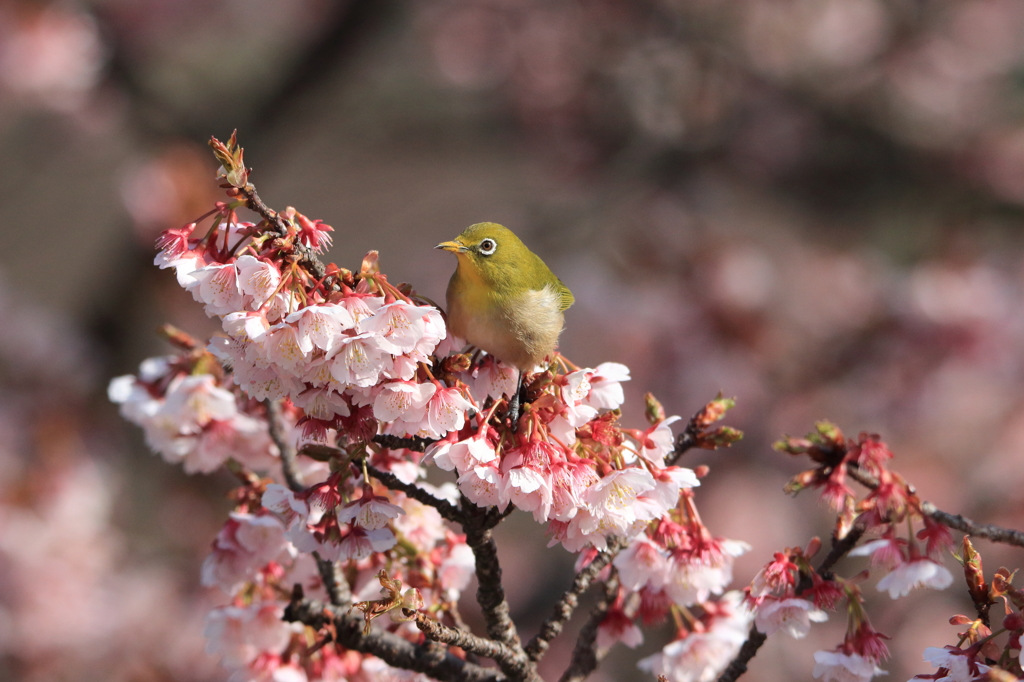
{"type": "Point", "coordinates": [502, 298]}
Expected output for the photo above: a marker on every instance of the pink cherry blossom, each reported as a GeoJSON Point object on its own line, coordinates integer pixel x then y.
{"type": "Point", "coordinates": [921, 572]}
{"type": "Point", "coordinates": [526, 478]}
{"type": "Point", "coordinates": [320, 326]}
{"type": "Point", "coordinates": [835, 666]}
{"type": "Point", "coordinates": [606, 386]}
{"type": "Point", "coordinates": [658, 441]}
{"type": "Point", "coordinates": [642, 563]}
{"type": "Point", "coordinates": [463, 455]}
{"type": "Point", "coordinates": [613, 498]}
{"type": "Point", "coordinates": [357, 360]}
{"type": "Point", "coordinates": [370, 511]}
{"type": "Point", "coordinates": [360, 543]}
{"type": "Point", "coordinates": [446, 411]}
{"type": "Point", "coordinates": [399, 325]}
{"type": "Point", "coordinates": [405, 400]}
{"type": "Point", "coordinates": [481, 485]}
{"type": "Point", "coordinates": [492, 379]}
{"type": "Point", "coordinates": [240, 633]}
{"type": "Point", "coordinates": [257, 278]}
{"type": "Point", "coordinates": [244, 545]}
{"type": "Point", "coordinates": [618, 627]}
{"type": "Point", "coordinates": [456, 570]}
{"type": "Point", "coordinates": [792, 616]}
{"type": "Point", "coordinates": [960, 665]}
{"type": "Point", "coordinates": [216, 286]}
{"type": "Point", "coordinates": [702, 656]}
{"type": "Point", "coordinates": [282, 348]}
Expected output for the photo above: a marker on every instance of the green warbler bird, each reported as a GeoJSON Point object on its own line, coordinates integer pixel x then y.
{"type": "Point", "coordinates": [502, 298]}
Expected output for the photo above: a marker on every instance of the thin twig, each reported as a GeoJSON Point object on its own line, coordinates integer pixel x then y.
{"type": "Point", "coordinates": [738, 666]}
{"type": "Point", "coordinates": [585, 656]}
{"type": "Point", "coordinates": [444, 507]}
{"type": "Point", "coordinates": [462, 639]}
{"type": "Point", "coordinates": [335, 584]}
{"type": "Point", "coordinates": [285, 448]}
{"type": "Point", "coordinates": [389, 647]}
{"type": "Point", "coordinates": [565, 606]}
{"type": "Point", "coordinates": [307, 258]}
{"type": "Point", "coordinates": [688, 437]}
{"type": "Point", "coordinates": [397, 443]}
{"type": "Point", "coordinates": [1007, 536]}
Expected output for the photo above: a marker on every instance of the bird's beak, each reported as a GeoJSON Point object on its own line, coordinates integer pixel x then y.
{"type": "Point", "coordinates": [454, 247]}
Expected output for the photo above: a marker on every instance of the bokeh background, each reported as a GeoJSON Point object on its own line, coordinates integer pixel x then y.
{"type": "Point", "coordinates": [812, 205]}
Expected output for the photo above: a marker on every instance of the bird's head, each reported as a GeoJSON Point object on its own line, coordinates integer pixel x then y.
{"type": "Point", "coordinates": [490, 250]}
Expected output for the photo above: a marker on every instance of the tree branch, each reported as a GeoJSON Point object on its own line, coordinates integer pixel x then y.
{"type": "Point", "coordinates": [1007, 536]}
{"type": "Point", "coordinates": [286, 450]}
{"type": "Point", "coordinates": [738, 666]}
{"type": "Point", "coordinates": [335, 584]}
{"type": "Point", "coordinates": [307, 258]}
{"type": "Point", "coordinates": [565, 606]}
{"type": "Point", "coordinates": [462, 639]}
{"type": "Point", "coordinates": [444, 507]}
{"type": "Point", "coordinates": [490, 593]}
{"type": "Point", "coordinates": [396, 443]}
{"type": "Point", "coordinates": [585, 656]}
{"type": "Point", "coordinates": [390, 648]}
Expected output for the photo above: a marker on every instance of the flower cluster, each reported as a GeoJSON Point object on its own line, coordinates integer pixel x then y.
{"type": "Point", "coordinates": [347, 379]}
{"type": "Point", "coordinates": [702, 650]}
{"type": "Point", "coordinates": [890, 506]}
{"type": "Point", "coordinates": [190, 417]}
{"type": "Point", "coordinates": [268, 545]}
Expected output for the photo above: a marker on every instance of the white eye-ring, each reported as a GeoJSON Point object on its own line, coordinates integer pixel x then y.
{"type": "Point", "coordinates": [488, 246]}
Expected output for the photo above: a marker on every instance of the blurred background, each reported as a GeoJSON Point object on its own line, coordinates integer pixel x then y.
{"type": "Point", "coordinates": [814, 206]}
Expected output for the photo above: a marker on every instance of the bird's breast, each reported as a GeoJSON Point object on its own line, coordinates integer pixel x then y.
{"type": "Point", "coordinates": [520, 330]}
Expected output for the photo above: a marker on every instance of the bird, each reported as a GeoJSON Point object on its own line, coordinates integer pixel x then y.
{"type": "Point", "coordinates": [503, 298]}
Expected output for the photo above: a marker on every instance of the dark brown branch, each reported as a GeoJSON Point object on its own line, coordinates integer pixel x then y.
{"type": "Point", "coordinates": [490, 593]}
{"type": "Point", "coordinates": [585, 656]}
{"type": "Point", "coordinates": [335, 584]}
{"type": "Point", "coordinates": [738, 666]}
{"type": "Point", "coordinates": [685, 440]}
{"type": "Point", "coordinates": [565, 606]}
{"type": "Point", "coordinates": [444, 507]}
{"type": "Point", "coordinates": [390, 648]}
{"type": "Point", "coordinates": [1007, 536]}
{"type": "Point", "coordinates": [397, 443]}
{"type": "Point", "coordinates": [286, 450]}
{"type": "Point", "coordinates": [464, 640]}
{"type": "Point", "coordinates": [840, 549]}
{"type": "Point", "coordinates": [307, 258]}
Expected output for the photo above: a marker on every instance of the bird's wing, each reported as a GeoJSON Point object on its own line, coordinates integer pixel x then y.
{"type": "Point", "coordinates": [565, 296]}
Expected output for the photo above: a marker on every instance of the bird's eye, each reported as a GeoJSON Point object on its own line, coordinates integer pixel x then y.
{"type": "Point", "coordinates": [488, 246]}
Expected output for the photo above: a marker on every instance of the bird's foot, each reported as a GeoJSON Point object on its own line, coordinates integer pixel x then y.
{"type": "Point", "coordinates": [513, 411]}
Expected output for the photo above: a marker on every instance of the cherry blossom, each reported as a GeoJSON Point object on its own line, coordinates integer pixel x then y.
{"type": "Point", "coordinates": [792, 616]}
{"type": "Point", "coordinates": [835, 666]}
{"type": "Point", "coordinates": [921, 572]}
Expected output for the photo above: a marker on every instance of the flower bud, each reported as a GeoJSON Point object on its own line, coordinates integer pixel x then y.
{"type": "Point", "coordinates": [652, 409]}
{"type": "Point", "coordinates": [1013, 621]}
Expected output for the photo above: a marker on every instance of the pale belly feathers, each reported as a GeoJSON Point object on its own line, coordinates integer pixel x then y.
{"type": "Point", "coordinates": [520, 333]}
